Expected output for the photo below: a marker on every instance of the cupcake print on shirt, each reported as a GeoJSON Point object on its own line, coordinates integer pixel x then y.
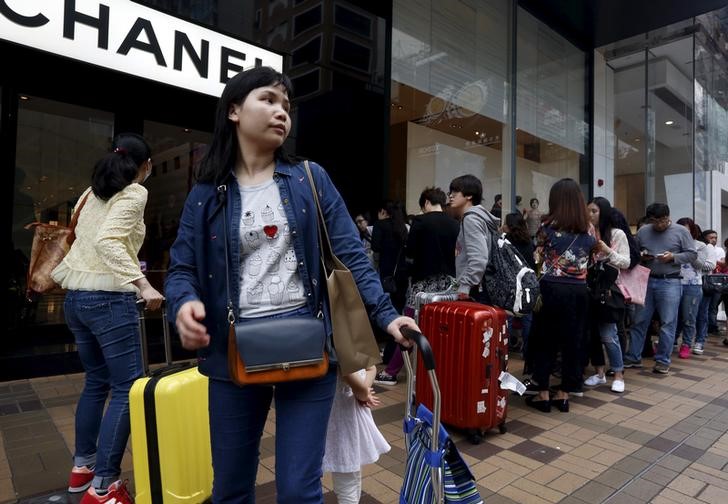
{"type": "Point", "coordinates": [270, 281]}
{"type": "Point", "coordinates": [267, 214]}
{"type": "Point", "coordinates": [275, 290]}
{"type": "Point", "coordinates": [290, 260]}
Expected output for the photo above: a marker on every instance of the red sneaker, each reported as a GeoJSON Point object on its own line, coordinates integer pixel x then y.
{"type": "Point", "coordinates": [684, 351]}
{"type": "Point", "coordinates": [80, 479]}
{"type": "Point", "coordinates": [117, 494]}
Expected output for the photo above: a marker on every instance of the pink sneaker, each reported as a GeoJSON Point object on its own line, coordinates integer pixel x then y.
{"type": "Point", "coordinates": [684, 351]}
{"type": "Point", "coordinates": [80, 479]}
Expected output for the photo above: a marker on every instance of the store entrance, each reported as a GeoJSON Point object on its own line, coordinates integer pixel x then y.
{"type": "Point", "coordinates": [56, 147]}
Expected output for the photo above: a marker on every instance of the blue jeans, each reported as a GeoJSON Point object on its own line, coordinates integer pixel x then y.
{"type": "Point", "coordinates": [689, 303]}
{"type": "Point", "coordinates": [106, 328]}
{"type": "Point", "coordinates": [701, 323]}
{"type": "Point", "coordinates": [610, 340]}
{"type": "Point", "coordinates": [664, 296]}
{"type": "Point", "coordinates": [237, 418]}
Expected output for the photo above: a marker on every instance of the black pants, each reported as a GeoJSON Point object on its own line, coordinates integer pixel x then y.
{"type": "Point", "coordinates": [560, 326]}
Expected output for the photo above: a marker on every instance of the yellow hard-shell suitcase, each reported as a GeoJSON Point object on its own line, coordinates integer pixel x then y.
{"type": "Point", "coordinates": [170, 432]}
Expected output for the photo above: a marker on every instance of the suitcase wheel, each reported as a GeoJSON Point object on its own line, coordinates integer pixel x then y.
{"type": "Point", "coordinates": [474, 436]}
{"type": "Point", "coordinates": [502, 428]}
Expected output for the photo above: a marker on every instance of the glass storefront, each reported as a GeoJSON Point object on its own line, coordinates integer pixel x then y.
{"type": "Point", "coordinates": [664, 113]}
{"type": "Point", "coordinates": [451, 102]}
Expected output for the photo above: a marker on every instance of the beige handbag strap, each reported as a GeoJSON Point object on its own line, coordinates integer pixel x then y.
{"type": "Point", "coordinates": [327, 252]}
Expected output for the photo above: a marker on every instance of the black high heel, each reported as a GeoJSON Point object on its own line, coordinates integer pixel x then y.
{"type": "Point", "coordinates": [561, 404]}
{"type": "Point", "coordinates": [542, 406]}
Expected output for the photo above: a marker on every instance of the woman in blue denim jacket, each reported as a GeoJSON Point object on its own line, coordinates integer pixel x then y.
{"type": "Point", "coordinates": [274, 271]}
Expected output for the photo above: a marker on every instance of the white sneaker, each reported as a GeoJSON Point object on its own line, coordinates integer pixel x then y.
{"type": "Point", "coordinates": [595, 380]}
{"type": "Point", "coordinates": [618, 386]}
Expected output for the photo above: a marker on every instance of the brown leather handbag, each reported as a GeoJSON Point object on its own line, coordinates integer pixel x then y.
{"type": "Point", "coordinates": [51, 243]}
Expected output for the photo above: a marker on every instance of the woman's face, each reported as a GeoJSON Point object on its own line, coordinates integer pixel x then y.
{"type": "Point", "coordinates": [593, 214]}
{"type": "Point", "coordinates": [263, 118]}
{"type": "Point", "coordinates": [534, 204]}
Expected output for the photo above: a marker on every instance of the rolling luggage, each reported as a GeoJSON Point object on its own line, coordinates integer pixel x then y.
{"type": "Point", "coordinates": [423, 298]}
{"type": "Point", "coordinates": [470, 342]}
{"type": "Point", "coordinates": [170, 430]}
{"type": "Point", "coordinates": [435, 472]}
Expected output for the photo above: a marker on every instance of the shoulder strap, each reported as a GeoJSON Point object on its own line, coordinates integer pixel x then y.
{"type": "Point", "coordinates": [74, 220]}
{"type": "Point", "coordinates": [327, 252]}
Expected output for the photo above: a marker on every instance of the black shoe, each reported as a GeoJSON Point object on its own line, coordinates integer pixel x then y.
{"type": "Point", "coordinates": [542, 406]}
{"type": "Point", "coordinates": [561, 404]}
{"type": "Point", "coordinates": [610, 372]}
{"type": "Point", "coordinates": [725, 341]}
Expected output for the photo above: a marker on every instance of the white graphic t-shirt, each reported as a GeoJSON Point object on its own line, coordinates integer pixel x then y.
{"type": "Point", "coordinates": [269, 280]}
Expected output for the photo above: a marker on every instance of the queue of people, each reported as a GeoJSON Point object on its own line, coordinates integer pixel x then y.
{"type": "Point", "coordinates": [247, 250]}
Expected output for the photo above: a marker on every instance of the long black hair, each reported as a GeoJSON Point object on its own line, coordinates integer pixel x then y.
{"type": "Point", "coordinates": [396, 212]}
{"type": "Point", "coordinates": [222, 153]}
{"type": "Point", "coordinates": [619, 221]}
{"type": "Point", "coordinates": [605, 223]}
{"type": "Point", "coordinates": [119, 168]}
{"type": "Point", "coordinates": [517, 228]}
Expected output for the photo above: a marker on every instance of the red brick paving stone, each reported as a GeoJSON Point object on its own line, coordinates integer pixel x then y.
{"type": "Point", "coordinates": [662, 444]}
{"type": "Point", "coordinates": [630, 403]}
{"type": "Point", "coordinates": [480, 451]}
{"type": "Point", "coordinates": [523, 429]}
{"type": "Point", "coordinates": [686, 376]}
{"type": "Point", "coordinates": [720, 401]}
{"type": "Point", "coordinates": [590, 402]}
{"type": "Point", "coordinates": [536, 451]}
{"type": "Point", "coordinates": [688, 452]}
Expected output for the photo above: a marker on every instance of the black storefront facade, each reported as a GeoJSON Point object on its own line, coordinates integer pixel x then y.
{"type": "Point", "coordinates": [390, 97]}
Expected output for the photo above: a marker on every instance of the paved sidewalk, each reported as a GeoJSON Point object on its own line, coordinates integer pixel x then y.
{"type": "Point", "coordinates": [665, 441]}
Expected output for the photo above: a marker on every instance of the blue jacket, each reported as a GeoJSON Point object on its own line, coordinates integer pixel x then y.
{"type": "Point", "coordinates": [197, 257]}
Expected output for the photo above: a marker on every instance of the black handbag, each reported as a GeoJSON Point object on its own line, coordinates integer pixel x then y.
{"type": "Point", "coordinates": [607, 300]}
{"type": "Point", "coordinates": [389, 283]}
{"type": "Point", "coordinates": [716, 283]}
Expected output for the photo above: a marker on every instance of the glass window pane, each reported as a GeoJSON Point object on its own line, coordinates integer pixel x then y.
{"type": "Point", "coordinates": [449, 109]}
{"type": "Point", "coordinates": [175, 153]}
{"type": "Point", "coordinates": [670, 126]}
{"type": "Point", "coordinates": [57, 147]}
{"type": "Point", "coordinates": [550, 112]}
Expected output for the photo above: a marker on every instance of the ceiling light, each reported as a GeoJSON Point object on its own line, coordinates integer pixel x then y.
{"type": "Point", "coordinates": [669, 123]}
{"type": "Point", "coordinates": [24, 98]}
{"type": "Point", "coordinates": [187, 130]}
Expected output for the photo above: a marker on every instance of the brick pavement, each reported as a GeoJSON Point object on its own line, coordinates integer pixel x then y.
{"type": "Point", "coordinates": [665, 441]}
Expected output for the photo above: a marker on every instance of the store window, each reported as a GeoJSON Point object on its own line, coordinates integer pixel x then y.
{"type": "Point", "coordinates": [57, 147]}
{"type": "Point", "coordinates": [449, 96]}
{"type": "Point", "coordinates": [552, 132]}
{"type": "Point", "coordinates": [176, 151]}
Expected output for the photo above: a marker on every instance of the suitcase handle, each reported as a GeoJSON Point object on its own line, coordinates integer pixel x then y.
{"type": "Point", "coordinates": [423, 344]}
{"type": "Point", "coordinates": [141, 306]}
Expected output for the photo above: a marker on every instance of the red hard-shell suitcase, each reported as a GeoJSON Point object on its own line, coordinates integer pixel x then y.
{"type": "Point", "coordinates": [470, 343]}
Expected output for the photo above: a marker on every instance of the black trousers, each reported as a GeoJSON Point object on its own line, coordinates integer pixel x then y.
{"type": "Point", "coordinates": [560, 327]}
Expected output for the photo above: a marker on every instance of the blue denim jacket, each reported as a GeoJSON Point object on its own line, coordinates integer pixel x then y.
{"type": "Point", "coordinates": [197, 257]}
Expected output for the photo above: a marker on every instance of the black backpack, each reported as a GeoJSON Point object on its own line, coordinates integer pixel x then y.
{"type": "Point", "coordinates": [508, 280]}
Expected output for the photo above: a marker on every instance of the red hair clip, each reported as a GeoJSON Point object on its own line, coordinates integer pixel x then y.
{"type": "Point", "coordinates": [121, 150]}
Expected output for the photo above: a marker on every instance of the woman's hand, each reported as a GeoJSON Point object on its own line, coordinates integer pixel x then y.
{"type": "Point", "coordinates": [394, 329]}
{"type": "Point", "coordinates": [153, 299]}
{"type": "Point", "coordinates": [192, 333]}
{"type": "Point", "coordinates": [603, 247]}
